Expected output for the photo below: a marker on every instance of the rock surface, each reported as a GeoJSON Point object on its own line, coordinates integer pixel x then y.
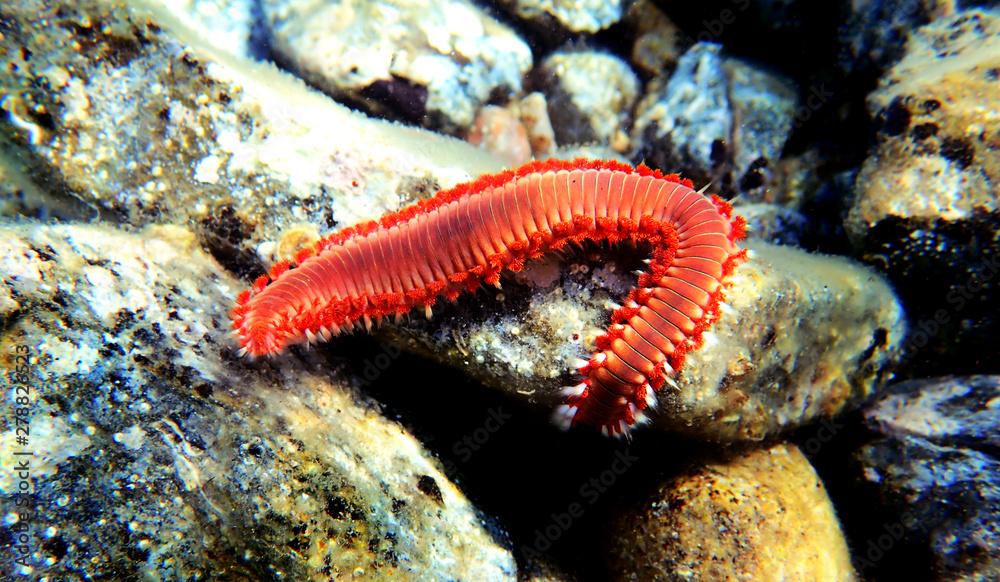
{"type": "Point", "coordinates": [568, 15]}
{"type": "Point", "coordinates": [874, 33]}
{"type": "Point", "coordinates": [759, 515]}
{"type": "Point", "coordinates": [229, 25]}
{"type": "Point", "coordinates": [590, 97]}
{"type": "Point", "coordinates": [937, 475]}
{"type": "Point", "coordinates": [517, 132]}
{"type": "Point", "coordinates": [717, 119]}
{"type": "Point", "coordinates": [151, 124]}
{"type": "Point", "coordinates": [158, 454]}
{"type": "Point", "coordinates": [807, 336]}
{"type": "Point", "coordinates": [431, 62]}
{"type": "Point", "coordinates": [656, 42]}
{"type": "Point", "coordinates": [927, 206]}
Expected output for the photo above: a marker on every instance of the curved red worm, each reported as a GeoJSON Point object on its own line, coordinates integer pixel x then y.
{"type": "Point", "coordinates": [466, 236]}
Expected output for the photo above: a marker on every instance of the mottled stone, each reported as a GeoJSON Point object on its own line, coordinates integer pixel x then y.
{"type": "Point", "coordinates": [936, 476]}
{"type": "Point", "coordinates": [499, 131]}
{"type": "Point", "coordinates": [874, 32]}
{"type": "Point", "coordinates": [954, 411]}
{"type": "Point", "coordinates": [569, 15]}
{"type": "Point", "coordinates": [590, 97]}
{"type": "Point", "coordinates": [927, 208]}
{"type": "Point", "coordinates": [758, 515]}
{"type": "Point", "coordinates": [151, 124]}
{"type": "Point", "coordinates": [431, 62]}
{"type": "Point", "coordinates": [716, 119]}
{"type": "Point", "coordinates": [774, 223]}
{"type": "Point", "coordinates": [158, 454]}
{"type": "Point", "coordinates": [656, 39]}
{"type": "Point", "coordinates": [229, 25]}
{"type": "Point", "coordinates": [806, 336]}
{"type": "Point", "coordinates": [517, 132]}
{"type": "Point", "coordinates": [534, 113]}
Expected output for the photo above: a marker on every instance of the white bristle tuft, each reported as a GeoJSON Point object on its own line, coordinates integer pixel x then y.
{"type": "Point", "coordinates": [242, 352]}
{"type": "Point", "coordinates": [310, 337]}
{"type": "Point", "coordinates": [709, 339]}
{"type": "Point", "coordinates": [599, 357]}
{"type": "Point", "coordinates": [726, 308]}
{"type": "Point", "coordinates": [428, 312]}
{"type": "Point", "coordinates": [563, 416]}
{"type": "Point", "coordinates": [651, 401]}
{"type": "Point", "coordinates": [580, 363]}
{"type": "Point", "coordinates": [577, 390]}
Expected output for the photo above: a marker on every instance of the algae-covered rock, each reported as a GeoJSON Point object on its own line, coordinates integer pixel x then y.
{"type": "Point", "coordinates": [427, 61]}
{"type": "Point", "coordinates": [936, 477]}
{"type": "Point", "coordinates": [154, 453]}
{"type": "Point", "coordinates": [927, 205]}
{"type": "Point", "coordinates": [758, 515]}
{"type": "Point", "coordinates": [805, 336]}
{"type": "Point", "coordinates": [148, 122]}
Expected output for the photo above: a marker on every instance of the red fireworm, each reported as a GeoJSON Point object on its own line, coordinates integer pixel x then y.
{"type": "Point", "coordinates": [467, 235]}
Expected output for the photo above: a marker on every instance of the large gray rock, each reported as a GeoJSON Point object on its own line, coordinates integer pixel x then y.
{"type": "Point", "coordinates": [153, 124]}
{"type": "Point", "coordinates": [927, 200]}
{"type": "Point", "coordinates": [936, 474]}
{"type": "Point", "coordinates": [427, 61]}
{"type": "Point", "coordinates": [716, 119]}
{"type": "Point", "coordinates": [576, 16]}
{"type": "Point", "coordinates": [157, 454]}
{"type": "Point", "coordinates": [590, 97]}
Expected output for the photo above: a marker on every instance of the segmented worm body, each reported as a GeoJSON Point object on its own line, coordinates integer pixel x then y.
{"type": "Point", "coordinates": [468, 235]}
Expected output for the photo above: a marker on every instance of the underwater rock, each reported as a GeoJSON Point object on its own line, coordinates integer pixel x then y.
{"type": "Point", "coordinates": [952, 411]}
{"type": "Point", "coordinates": [499, 131]}
{"type": "Point", "coordinates": [774, 223]}
{"type": "Point", "coordinates": [554, 16]}
{"type": "Point", "coordinates": [433, 63]}
{"type": "Point", "coordinates": [151, 124]}
{"type": "Point", "coordinates": [761, 514]}
{"type": "Point", "coordinates": [873, 35]}
{"type": "Point", "coordinates": [590, 96]}
{"type": "Point", "coordinates": [717, 119]}
{"type": "Point", "coordinates": [656, 39]}
{"type": "Point", "coordinates": [229, 25]}
{"type": "Point", "coordinates": [927, 209]}
{"type": "Point", "coordinates": [157, 454]}
{"type": "Point", "coordinates": [517, 132]}
{"type": "Point", "coordinates": [806, 336]}
{"type": "Point", "coordinates": [534, 112]}
{"type": "Point", "coordinates": [936, 475]}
